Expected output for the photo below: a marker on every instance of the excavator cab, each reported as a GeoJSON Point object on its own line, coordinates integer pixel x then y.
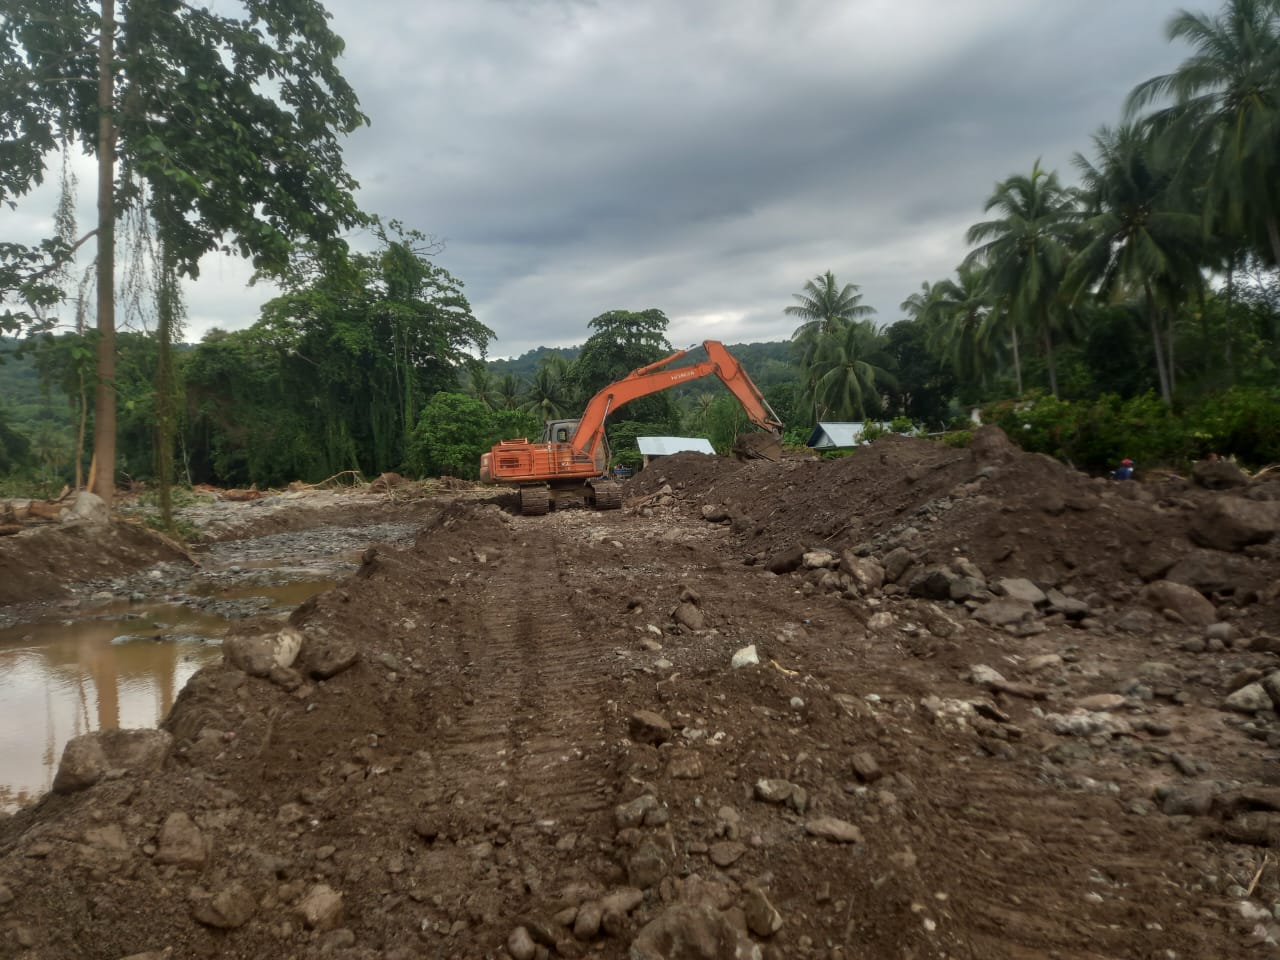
{"type": "Point", "coordinates": [559, 431]}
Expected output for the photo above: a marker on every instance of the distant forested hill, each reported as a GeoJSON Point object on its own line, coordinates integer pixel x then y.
{"type": "Point", "coordinates": [766, 363]}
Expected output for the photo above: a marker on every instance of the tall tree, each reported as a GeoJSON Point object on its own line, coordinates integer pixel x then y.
{"type": "Point", "coordinates": [1139, 237]}
{"type": "Point", "coordinates": [1026, 250]}
{"type": "Point", "coordinates": [231, 118]}
{"type": "Point", "coordinates": [847, 372]}
{"type": "Point", "coordinates": [1226, 108]}
{"type": "Point", "coordinates": [824, 306]}
{"type": "Point", "coordinates": [549, 396]}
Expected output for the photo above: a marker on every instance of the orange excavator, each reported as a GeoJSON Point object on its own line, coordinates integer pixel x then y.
{"type": "Point", "coordinates": [569, 462]}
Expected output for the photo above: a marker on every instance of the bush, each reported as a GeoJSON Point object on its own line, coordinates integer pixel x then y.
{"type": "Point", "coordinates": [1097, 434]}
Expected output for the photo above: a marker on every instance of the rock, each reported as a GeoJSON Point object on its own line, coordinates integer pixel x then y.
{"type": "Point", "coordinates": [968, 588]}
{"type": "Point", "coordinates": [586, 923]}
{"type": "Point", "coordinates": [690, 616]}
{"type": "Point", "coordinates": [881, 620]}
{"type": "Point", "coordinates": [181, 843]}
{"type": "Point", "coordinates": [623, 900]}
{"type": "Point", "coordinates": [1233, 523]}
{"type": "Point", "coordinates": [1045, 661]}
{"type": "Point", "coordinates": [1069, 607]}
{"type": "Point", "coordinates": [1004, 611]}
{"type": "Point", "coordinates": [647, 866]}
{"type": "Point", "coordinates": [1195, 800]}
{"type": "Point", "coordinates": [648, 727]}
{"type": "Point", "coordinates": [165, 954]}
{"type": "Point", "coordinates": [1136, 620]}
{"type": "Point", "coordinates": [763, 918]}
{"type": "Point", "coordinates": [985, 676]}
{"type": "Point", "coordinates": [1189, 604]}
{"type": "Point", "coordinates": [232, 907]}
{"type": "Point", "coordinates": [322, 658]}
{"type": "Point", "coordinates": [110, 838]}
{"type": "Point", "coordinates": [520, 944]}
{"type": "Point", "coordinates": [774, 791]}
{"type": "Point", "coordinates": [685, 765]}
{"type": "Point", "coordinates": [87, 758]}
{"type": "Point", "coordinates": [1225, 632]}
{"type": "Point", "coordinates": [1218, 475]}
{"type": "Point", "coordinates": [1086, 723]}
{"type": "Point", "coordinates": [714, 513]}
{"type": "Point", "coordinates": [1019, 588]}
{"type": "Point", "coordinates": [746, 657]}
{"type": "Point", "coordinates": [686, 931]}
{"type": "Point", "coordinates": [1104, 702]}
{"type": "Point", "coordinates": [321, 908]}
{"type": "Point", "coordinates": [933, 583]}
{"type": "Point", "coordinates": [89, 507]}
{"type": "Point", "coordinates": [896, 562]}
{"type": "Point", "coordinates": [833, 829]}
{"type": "Point", "coordinates": [865, 767]}
{"type": "Point", "coordinates": [255, 655]}
{"type": "Point", "coordinates": [819, 560]}
{"type": "Point", "coordinates": [1271, 684]}
{"type": "Point", "coordinates": [1210, 571]}
{"type": "Point", "coordinates": [787, 561]}
{"type": "Point", "coordinates": [865, 572]}
{"type": "Point", "coordinates": [633, 814]}
{"type": "Point", "coordinates": [726, 852]}
{"type": "Point", "coordinates": [1250, 698]}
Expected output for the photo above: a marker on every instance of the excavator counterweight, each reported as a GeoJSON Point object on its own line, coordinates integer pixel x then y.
{"type": "Point", "coordinates": [570, 461]}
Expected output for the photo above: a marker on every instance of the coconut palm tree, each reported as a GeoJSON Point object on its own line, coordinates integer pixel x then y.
{"type": "Point", "coordinates": [480, 383]}
{"type": "Point", "coordinates": [848, 368]}
{"type": "Point", "coordinates": [549, 394]}
{"type": "Point", "coordinates": [1140, 235]}
{"type": "Point", "coordinates": [956, 320]}
{"type": "Point", "coordinates": [1026, 251]}
{"type": "Point", "coordinates": [507, 392]}
{"type": "Point", "coordinates": [824, 305]}
{"type": "Point", "coordinates": [1223, 105]}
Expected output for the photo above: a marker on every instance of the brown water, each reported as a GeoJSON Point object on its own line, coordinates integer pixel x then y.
{"type": "Point", "coordinates": [61, 679]}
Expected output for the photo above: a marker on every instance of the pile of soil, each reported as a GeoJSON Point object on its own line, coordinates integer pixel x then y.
{"type": "Point", "coordinates": [526, 736]}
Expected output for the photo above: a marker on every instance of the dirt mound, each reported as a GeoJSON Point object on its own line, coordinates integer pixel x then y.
{"type": "Point", "coordinates": [41, 562]}
{"type": "Point", "coordinates": [620, 734]}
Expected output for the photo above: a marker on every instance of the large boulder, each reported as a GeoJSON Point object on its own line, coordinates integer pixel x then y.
{"type": "Point", "coordinates": [87, 758]}
{"type": "Point", "coordinates": [91, 507]}
{"type": "Point", "coordinates": [1218, 475]}
{"type": "Point", "coordinates": [687, 931]}
{"type": "Point", "coordinates": [1188, 603]}
{"type": "Point", "coordinates": [1233, 523]}
{"type": "Point", "coordinates": [1212, 571]}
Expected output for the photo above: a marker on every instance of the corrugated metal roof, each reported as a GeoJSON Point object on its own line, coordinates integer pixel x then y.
{"type": "Point", "coordinates": [831, 436]}
{"type": "Point", "coordinates": [664, 446]}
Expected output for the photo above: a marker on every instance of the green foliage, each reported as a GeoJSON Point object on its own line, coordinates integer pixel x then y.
{"type": "Point", "coordinates": [1097, 434]}
{"type": "Point", "coordinates": [957, 438]}
{"type": "Point", "coordinates": [623, 341]}
{"type": "Point", "coordinates": [902, 425]}
{"type": "Point", "coordinates": [454, 429]}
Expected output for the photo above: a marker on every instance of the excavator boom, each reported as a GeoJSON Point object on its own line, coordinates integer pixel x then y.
{"type": "Point", "coordinates": [577, 459]}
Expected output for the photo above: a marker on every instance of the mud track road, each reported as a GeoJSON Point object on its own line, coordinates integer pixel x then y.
{"type": "Point", "coordinates": [475, 772]}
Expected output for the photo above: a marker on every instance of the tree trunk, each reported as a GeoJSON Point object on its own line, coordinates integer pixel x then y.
{"type": "Point", "coordinates": [1228, 352]}
{"type": "Point", "coordinates": [167, 310]}
{"type": "Point", "coordinates": [1153, 315]}
{"type": "Point", "coordinates": [104, 420]}
{"type": "Point", "coordinates": [80, 432]}
{"type": "Point", "coordinates": [1017, 362]}
{"type": "Point", "coordinates": [1048, 354]}
{"type": "Point", "coordinates": [1273, 234]}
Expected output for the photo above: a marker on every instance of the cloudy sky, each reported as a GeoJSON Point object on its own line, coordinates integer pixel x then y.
{"type": "Point", "coordinates": [707, 157]}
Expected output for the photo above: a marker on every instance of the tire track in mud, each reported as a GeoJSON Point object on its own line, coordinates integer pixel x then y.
{"type": "Point", "coordinates": [533, 732]}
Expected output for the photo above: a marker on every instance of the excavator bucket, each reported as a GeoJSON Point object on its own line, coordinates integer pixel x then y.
{"type": "Point", "coordinates": [757, 446]}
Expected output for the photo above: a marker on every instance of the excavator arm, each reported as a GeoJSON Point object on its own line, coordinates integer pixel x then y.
{"type": "Point", "coordinates": [659, 376]}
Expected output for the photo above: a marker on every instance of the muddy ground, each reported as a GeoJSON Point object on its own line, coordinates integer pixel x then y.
{"type": "Point", "coordinates": [986, 707]}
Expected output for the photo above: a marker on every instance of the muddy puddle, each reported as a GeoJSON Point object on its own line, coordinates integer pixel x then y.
{"type": "Point", "coordinates": [119, 657]}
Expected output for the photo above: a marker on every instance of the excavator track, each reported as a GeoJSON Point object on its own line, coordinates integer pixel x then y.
{"type": "Point", "coordinates": [606, 495]}
{"type": "Point", "coordinates": [535, 500]}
